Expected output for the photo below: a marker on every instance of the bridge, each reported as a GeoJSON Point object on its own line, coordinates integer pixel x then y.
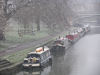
{"type": "Point", "coordinates": [87, 18]}
{"type": "Point", "coordinates": [95, 14]}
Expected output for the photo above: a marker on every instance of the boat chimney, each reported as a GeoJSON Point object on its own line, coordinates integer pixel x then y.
{"type": "Point", "coordinates": [59, 37]}
{"type": "Point", "coordinates": [43, 48]}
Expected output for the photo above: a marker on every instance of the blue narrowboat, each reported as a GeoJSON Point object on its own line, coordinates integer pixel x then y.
{"type": "Point", "coordinates": [38, 58]}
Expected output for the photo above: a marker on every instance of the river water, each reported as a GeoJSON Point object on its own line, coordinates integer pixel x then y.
{"type": "Point", "coordinates": [83, 58]}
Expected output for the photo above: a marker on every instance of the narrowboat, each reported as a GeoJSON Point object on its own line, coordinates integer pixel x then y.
{"type": "Point", "coordinates": [80, 31]}
{"type": "Point", "coordinates": [73, 37]}
{"type": "Point", "coordinates": [88, 27]}
{"type": "Point", "coordinates": [60, 44]}
{"type": "Point", "coordinates": [38, 58]}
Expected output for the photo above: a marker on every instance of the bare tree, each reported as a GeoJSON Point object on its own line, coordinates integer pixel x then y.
{"type": "Point", "coordinates": [6, 10]}
{"type": "Point", "coordinates": [3, 20]}
{"type": "Point", "coordinates": [51, 12]}
{"type": "Point", "coordinates": [54, 13]}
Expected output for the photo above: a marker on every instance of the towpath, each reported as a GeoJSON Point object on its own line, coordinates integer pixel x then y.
{"type": "Point", "coordinates": [28, 45]}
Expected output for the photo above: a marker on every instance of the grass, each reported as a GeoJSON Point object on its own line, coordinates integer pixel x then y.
{"type": "Point", "coordinates": [13, 39]}
{"type": "Point", "coordinates": [18, 56]}
{"type": "Point", "coordinates": [16, 39]}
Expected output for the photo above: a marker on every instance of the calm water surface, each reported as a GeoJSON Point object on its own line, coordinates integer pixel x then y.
{"type": "Point", "coordinates": [83, 58]}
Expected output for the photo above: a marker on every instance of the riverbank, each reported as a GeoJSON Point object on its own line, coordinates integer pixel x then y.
{"type": "Point", "coordinates": [16, 57]}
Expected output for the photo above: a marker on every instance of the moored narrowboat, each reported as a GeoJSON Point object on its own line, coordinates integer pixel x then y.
{"type": "Point", "coordinates": [73, 37]}
{"type": "Point", "coordinates": [38, 58]}
{"type": "Point", "coordinates": [60, 44]}
{"type": "Point", "coordinates": [80, 31]}
{"type": "Point", "coordinates": [88, 27]}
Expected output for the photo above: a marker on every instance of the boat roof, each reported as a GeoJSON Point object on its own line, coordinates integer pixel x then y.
{"type": "Point", "coordinates": [72, 33]}
{"type": "Point", "coordinates": [25, 58]}
{"type": "Point", "coordinates": [45, 49]}
{"type": "Point", "coordinates": [61, 39]}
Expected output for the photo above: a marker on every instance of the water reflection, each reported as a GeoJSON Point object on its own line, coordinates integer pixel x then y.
{"type": "Point", "coordinates": [32, 72]}
{"type": "Point", "coordinates": [57, 63]}
{"type": "Point", "coordinates": [13, 71]}
{"type": "Point", "coordinates": [55, 68]}
{"type": "Point", "coordinates": [36, 71]}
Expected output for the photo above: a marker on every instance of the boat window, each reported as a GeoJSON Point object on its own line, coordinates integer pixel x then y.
{"type": "Point", "coordinates": [37, 61]}
{"type": "Point", "coordinates": [41, 57]}
{"type": "Point", "coordinates": [44, 55]}
{"type": "Point", "coordinates": [62, 43]}
{"type": "Point", "coordinates": [25, 61]}
{"type": "Point", "coordinates": [33, 55]}
{"type": "Point", "coordinates": [59, 42]}
{"type": "Point", "coordinates": [47, 54]}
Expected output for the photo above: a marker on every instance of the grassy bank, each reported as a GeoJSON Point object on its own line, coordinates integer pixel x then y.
{"type": "Point", "coordinates": [13, 39]}
{"type": "Point", "coordinates": [19, 56]}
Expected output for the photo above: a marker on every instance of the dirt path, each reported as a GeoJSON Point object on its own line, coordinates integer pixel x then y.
{"type": "Point", "coordinates": [32, 44]}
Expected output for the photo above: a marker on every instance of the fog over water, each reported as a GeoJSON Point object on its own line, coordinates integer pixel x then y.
{"type": "Point", "coordinates": [81, 59]}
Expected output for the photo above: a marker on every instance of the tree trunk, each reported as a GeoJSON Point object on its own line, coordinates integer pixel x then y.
{"type": "Point", "coordinates": [2, 27]}
{"type": "Point", "coordinates": [2, 37]}
{"type": "Point", "coordinates": [3, 20]}
{"type": "Point", "coordinates": [38, 22]}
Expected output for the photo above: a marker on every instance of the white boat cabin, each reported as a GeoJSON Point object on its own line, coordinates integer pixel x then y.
{"type": "Point", "coordinates": [38, 57]}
